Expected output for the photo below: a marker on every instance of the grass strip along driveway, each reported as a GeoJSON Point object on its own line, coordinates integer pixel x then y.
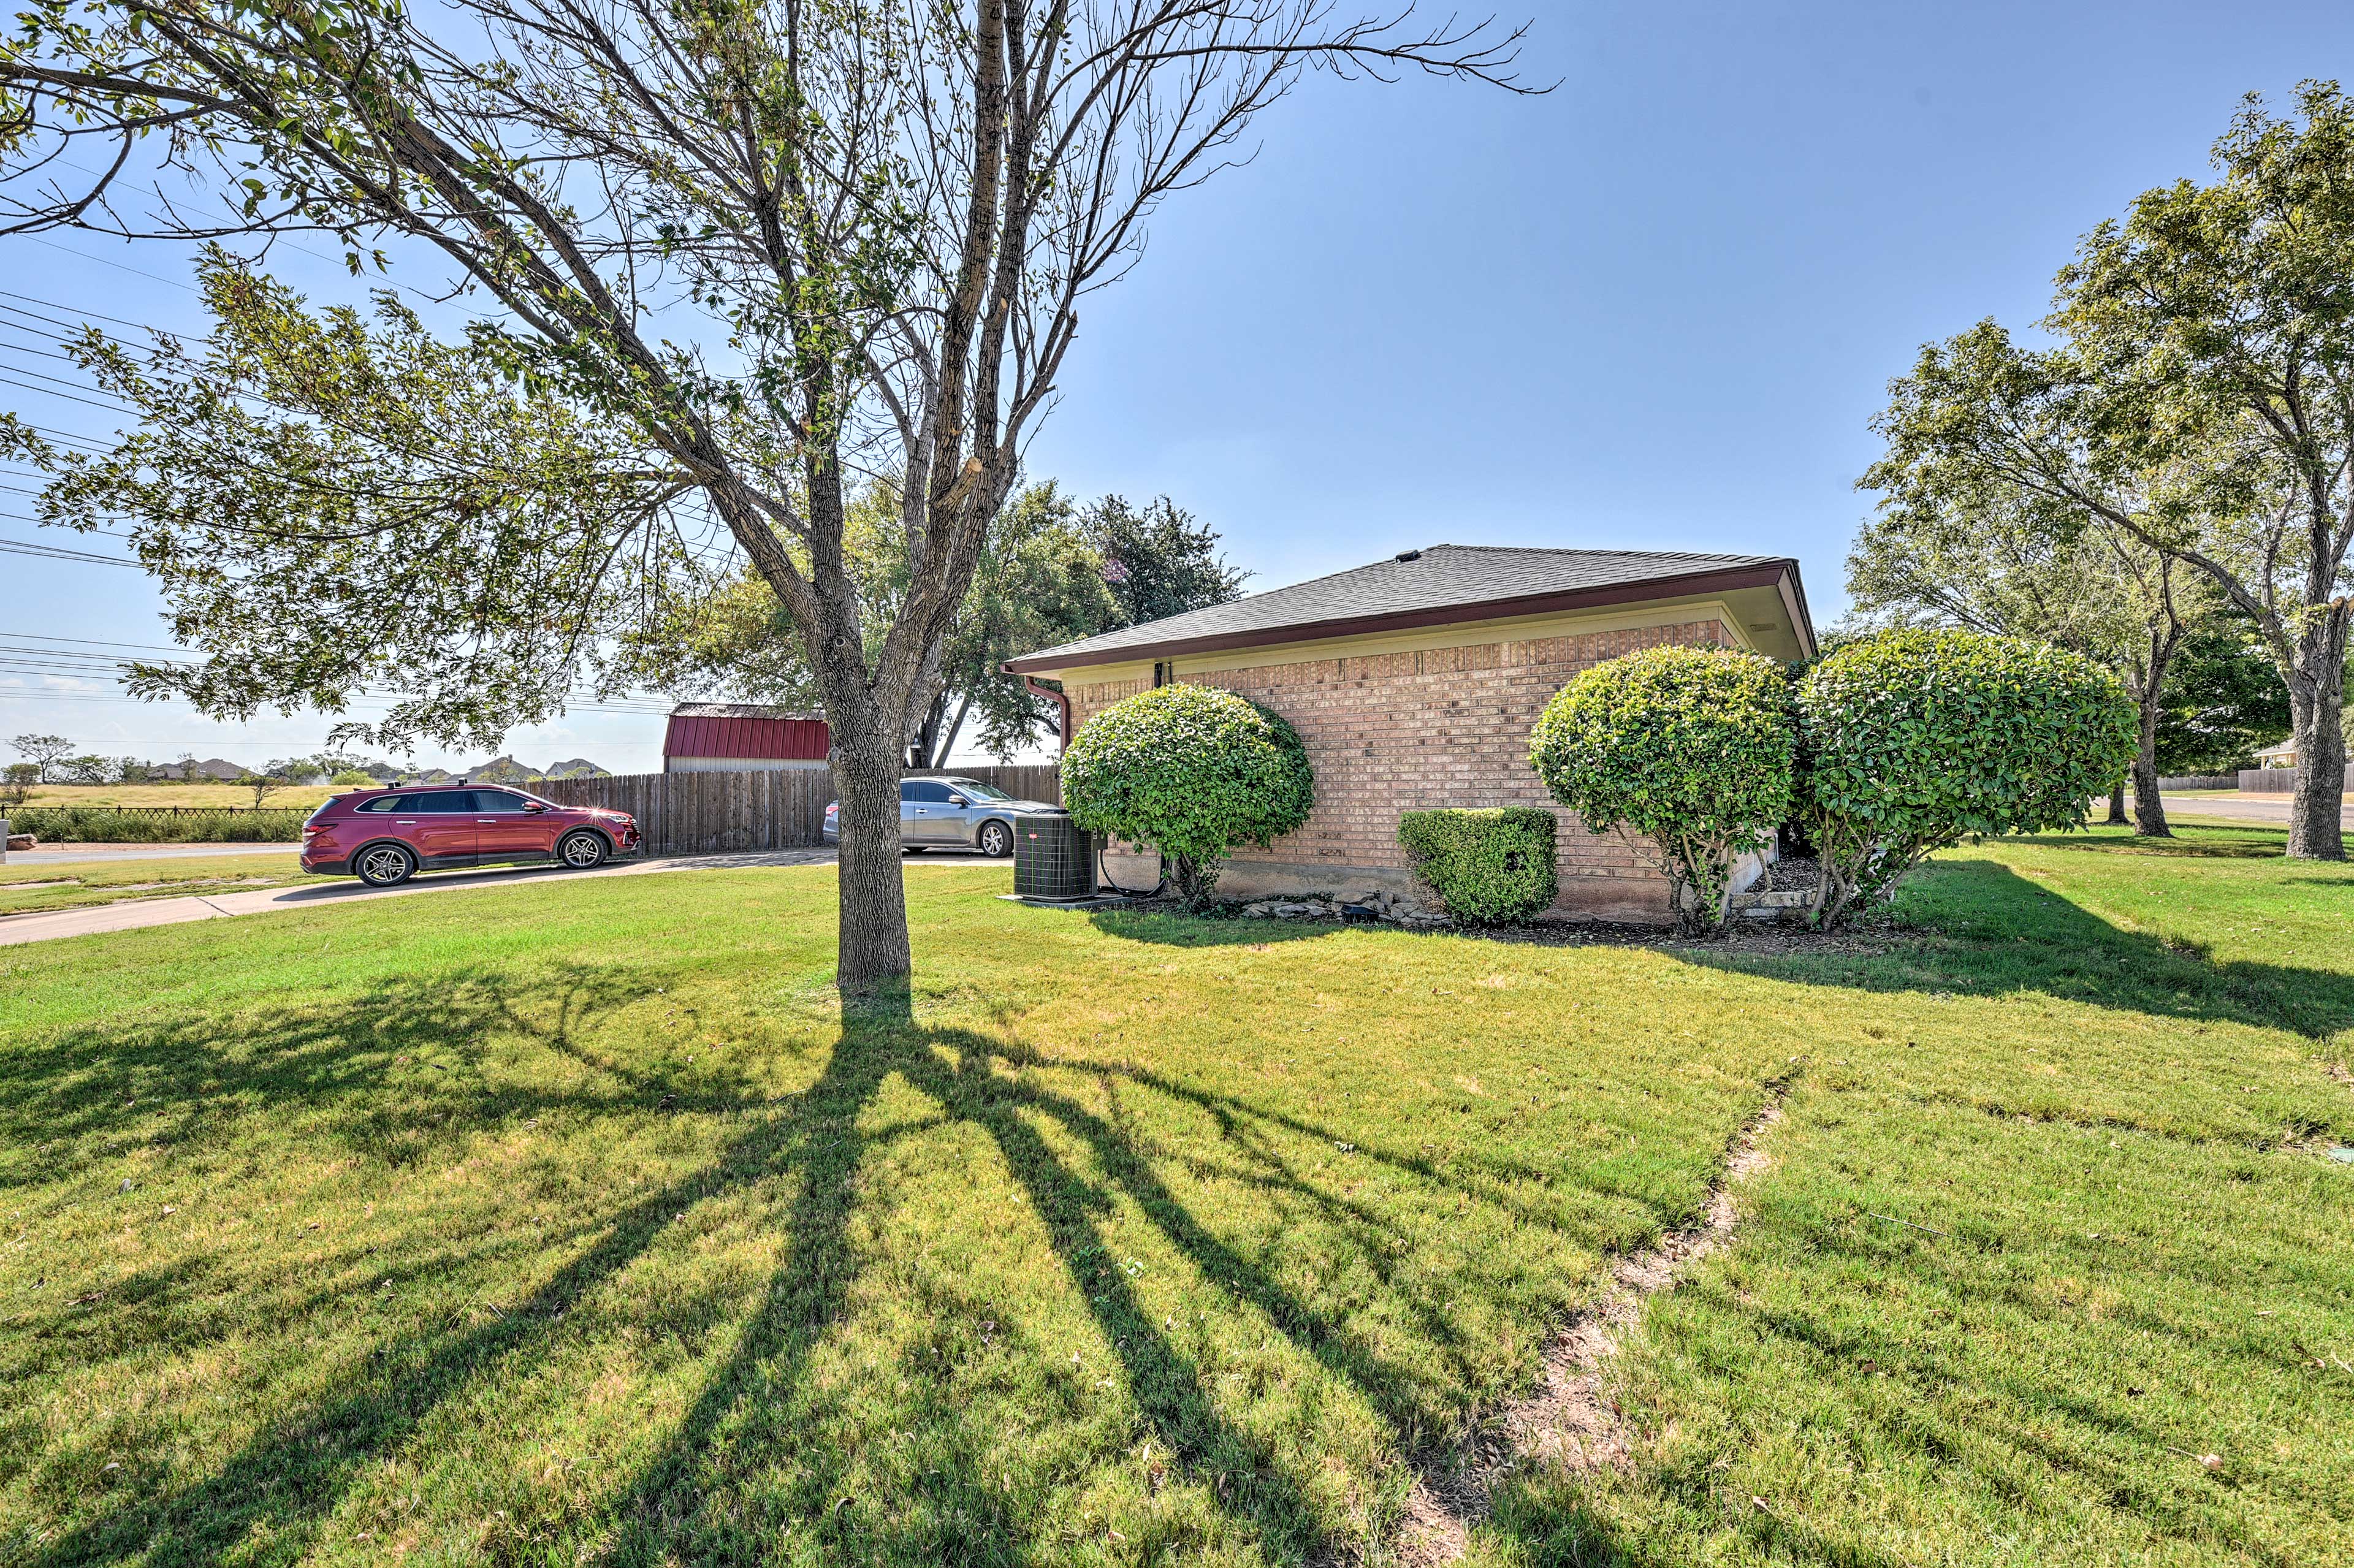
{"type": "Point", "coordinates": [576, 1222]}
{"type": "Point", "coordinates": [28, 887]}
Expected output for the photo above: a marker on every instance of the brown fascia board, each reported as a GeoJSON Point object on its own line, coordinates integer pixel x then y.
{"type": "Point", "coordinates": [1783, 573]}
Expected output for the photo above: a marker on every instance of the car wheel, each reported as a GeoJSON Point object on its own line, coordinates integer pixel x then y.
{"type": "Point", "coordinates": [385, 865]}
{"type": "Point", "coordinates": [996, 840]}
{"type": "Point", "coordinates": [581, 850]}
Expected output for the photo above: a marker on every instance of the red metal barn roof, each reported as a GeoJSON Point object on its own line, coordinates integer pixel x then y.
{"type": "Point", "coordinates": [747, 730]}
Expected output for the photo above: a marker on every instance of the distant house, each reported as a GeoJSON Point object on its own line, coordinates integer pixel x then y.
{"type": "Point", "coordinates": [717, 737]}
{"type": "Point", "coordinates": [500, 770]}
{"type": "Point", "coordinates": [217, 770]}
{"type": "Point", "coordinates": [1414, 680]}
{"type": "Point", "coordinates": [2281, 755]}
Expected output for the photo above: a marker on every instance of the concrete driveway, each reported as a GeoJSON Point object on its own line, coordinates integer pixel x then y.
{"type": "Point", "coordinates": [133, 914]}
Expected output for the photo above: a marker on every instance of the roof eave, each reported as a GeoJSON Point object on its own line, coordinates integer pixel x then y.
{"type": "Point", "coordinates": [1766, 574]}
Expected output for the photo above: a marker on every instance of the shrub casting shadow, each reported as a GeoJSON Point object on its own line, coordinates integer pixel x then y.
{"type": "Point", "coordinates": [1984, 931]}
{"type": "Point", "coordinates": [1177, 928]}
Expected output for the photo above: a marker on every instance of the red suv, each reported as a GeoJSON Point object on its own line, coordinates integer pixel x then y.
{"type": "Point", "coordinates": [387, 836]}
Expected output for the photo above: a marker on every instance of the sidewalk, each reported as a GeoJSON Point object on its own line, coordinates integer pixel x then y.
{"type": "Point", "coordinates": [133, 914]}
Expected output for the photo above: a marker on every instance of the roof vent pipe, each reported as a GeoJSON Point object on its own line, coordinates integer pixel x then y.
{"type": "Point", "coordinates": [1409, 556]}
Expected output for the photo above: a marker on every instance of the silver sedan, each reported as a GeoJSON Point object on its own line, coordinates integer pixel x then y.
{"type": "Point", "coordinates": [950, 812]}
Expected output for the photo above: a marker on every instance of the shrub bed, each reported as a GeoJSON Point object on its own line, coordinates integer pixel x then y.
{"type": "Point", "coordinates": [1693, 748]}
{"type": "Point", "coordinates": [158, 824]}
{"type": "Point", "coordinates": [1192, 771]}
{"type": "Point", "coordinates": [1912, 740]}
{"type": "Point", "coordinates": [1488, 867]}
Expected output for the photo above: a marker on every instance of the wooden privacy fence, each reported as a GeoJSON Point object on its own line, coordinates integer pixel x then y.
{"type": "Point", "coordinates": [754, 808]}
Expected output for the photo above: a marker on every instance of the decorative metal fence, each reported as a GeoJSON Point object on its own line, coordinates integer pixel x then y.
{"type": "Point", "coordinates": [160, 825]}
{"type": "Point", "coordinates": [754, 808]}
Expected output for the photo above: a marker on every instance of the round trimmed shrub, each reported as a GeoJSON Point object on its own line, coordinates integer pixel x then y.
{"type": "Point", "coordinates": [1488, 867]}
{"type": "Point", "coordinates": [1192, 771]}
{"type": "Point", "coordinates": [1691, 749]}
{"type": "Point", "coordinates": [1911, 740]}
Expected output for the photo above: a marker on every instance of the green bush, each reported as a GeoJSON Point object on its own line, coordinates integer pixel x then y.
{"type": "Point", "coordinates": [1489, 867]}
{"type": "Point", "coordinates": [1912, 739]}
{"type": "Point", "coordinates": [1693, 748]}
{"type": "Point", "coordinates": [156, 825]}
{"type": "Point", "coordinates": [1192, 771]}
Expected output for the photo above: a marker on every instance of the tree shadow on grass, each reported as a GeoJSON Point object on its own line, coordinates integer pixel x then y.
{"type": "Point", "coordinates": [676, 1508]}
{"type": "Point", "coordinates": [1981, 929]}
{"type": "Point", "coordinates": [271, 1500]}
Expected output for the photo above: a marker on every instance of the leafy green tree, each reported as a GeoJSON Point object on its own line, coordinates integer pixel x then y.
{"type": "Point", "coordinates": [1194, 772]}
{"type": "Point", "coordinates": [1042, 579]}
{"type": "Point", "coordinates": [88, 769]}
{"type": "Point", "coordinates": [729, 259]}
{"type": "Point", "coordinates": [1158, 559]}
{"type": "Point", "coordinates": [1691, 749]}
{"type": "Point", "coordinates": [352, 777]}
{"type": "Point", "coordinates": [1911, 740]}
{"type": "Point", "coordinates": [1957, 543]}
{"type": "Point", "coordinates": [44, 751]}
{"type": "Point", "coordinates": [17, 781]}
{"type": "Point", "coordinates": [2224, 701]}
{"type": "Point", "coordinates": [2216, 328]}
{"type": "Point", "coordinates": [265, 781]}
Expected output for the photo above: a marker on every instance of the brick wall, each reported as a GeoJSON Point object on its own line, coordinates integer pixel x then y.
{"type": "Point", "coordinates": [1446, 727]}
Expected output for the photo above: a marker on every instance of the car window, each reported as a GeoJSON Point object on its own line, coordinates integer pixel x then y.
{"type": "Point", "coordinates": [497, 800]}
{"type": "Point", "coordinates": [388, 803]}
{"type": "Point", "coordinates": [979, 790]}
{"type": "Point", "coordinates": [443, 801]}
{"type": "Point", "coordinates": [923, 789]}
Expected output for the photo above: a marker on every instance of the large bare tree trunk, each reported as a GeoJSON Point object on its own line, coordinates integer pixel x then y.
{"type": "Point", "coordinates": [2315, 677]}
{"type": "Point", "coordinates": [2316, 830]}
{"type": "Point", "coordinates": [873, 952]}
{"type": "Point", "coordinates": [2149, 809]}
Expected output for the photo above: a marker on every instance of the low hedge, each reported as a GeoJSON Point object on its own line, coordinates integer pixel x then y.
{"type": "Point", "coordinates": [156, 825]}
{"type": "Point", "coordinates": [1489, 867]}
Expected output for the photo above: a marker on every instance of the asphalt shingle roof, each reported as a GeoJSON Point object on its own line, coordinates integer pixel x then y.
{"type": "Point", "coordinates": [1441, 578]}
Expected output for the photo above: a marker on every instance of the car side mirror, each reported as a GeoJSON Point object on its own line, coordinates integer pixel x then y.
{"type": "Point", "coordinates": [533, 806]}
{"type": "Point", "coordinates": [958, 800]}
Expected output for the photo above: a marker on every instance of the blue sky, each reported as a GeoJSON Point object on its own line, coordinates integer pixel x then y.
{"type": "Point", "coordinates": [1652, 310]}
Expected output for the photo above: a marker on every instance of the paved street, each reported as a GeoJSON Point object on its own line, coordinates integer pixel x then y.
{"type": "Point", "coordinates": [2271, 809]}
{"type": "Point", "coordinates": [85, 854]}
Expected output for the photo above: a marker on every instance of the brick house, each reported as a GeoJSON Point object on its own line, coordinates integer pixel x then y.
{"type": "Point", "coordinates": [1414, 680]}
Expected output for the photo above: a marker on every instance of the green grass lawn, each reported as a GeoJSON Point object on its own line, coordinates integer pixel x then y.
{"type": "Point", "coordinates": [28, 887]}
{"type": "Point", "coordinates": [574, 1222]}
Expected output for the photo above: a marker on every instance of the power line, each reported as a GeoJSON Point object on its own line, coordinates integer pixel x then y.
{"type": "Point", "coordinates": [24, 547]}
{"type": "Point", "coordinates": [45, 392]}
{"type": "Point", "coordinates": [119, 266]}
{"type": "Point", "coordinates": [61, 305]}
